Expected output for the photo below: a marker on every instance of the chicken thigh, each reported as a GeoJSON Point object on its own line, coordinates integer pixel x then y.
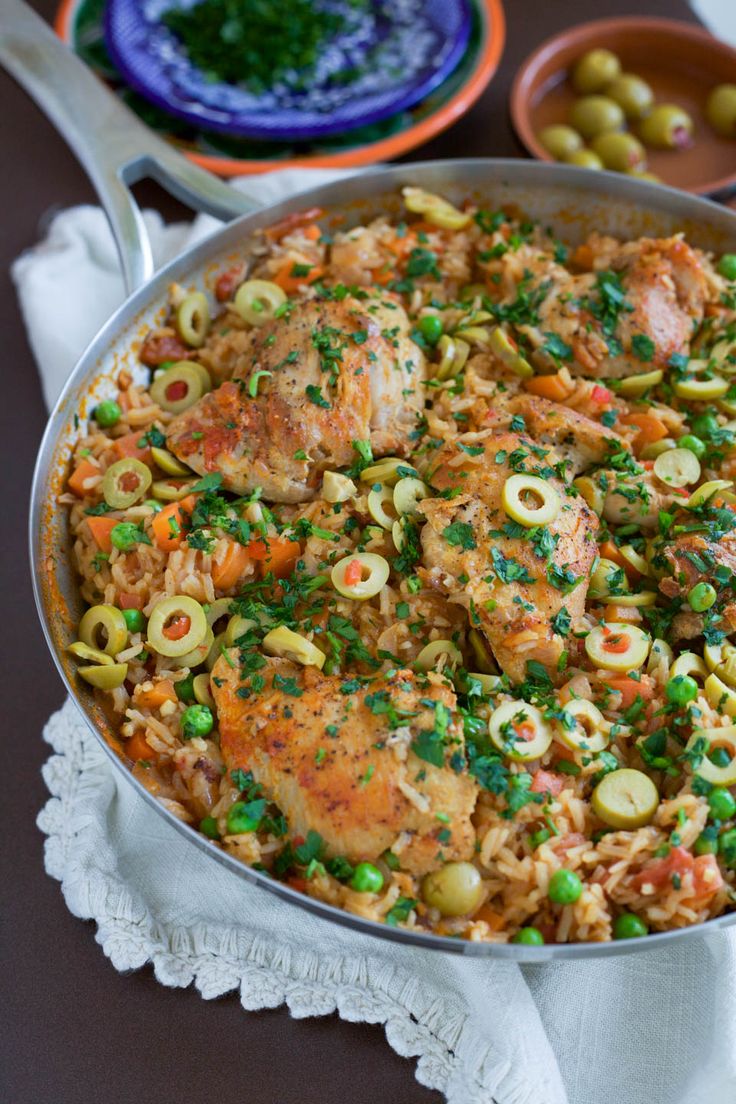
{"type": "Point", "coordinates": [310, 384]}
{"type": "Point", "coordinates": [344, 763]}
{"type": "Point", "coordinates": [525, 586]}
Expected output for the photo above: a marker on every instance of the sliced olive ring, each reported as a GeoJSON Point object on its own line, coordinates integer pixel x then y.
{"type": "Point", "coordinates": [436, 210]}
{"type": "Point", "coordinates": [105, 677]}
{"type": "Point", "coordinates": [590, 729]}
{"type": "Point", "coordinates": [363, 581]}
{"type": "Point", "coordinates": [193, 319]}
{"type": "Point", "coordinates": [104, 628]}
{"type": "Point", "coordinates": [430, 654]}
{"type": "Point", "coordinates": [625, 799]}
{"type": "Point", "coordinates": [408, 493]}
{"type": "Point", "coordinates": [257, 301]}
{"type": "Point", "coordinates": [617, 646]}
{"type": "Point", "coordinates": [707, 738]}
{"type": "Point", "coordinates": [176, 626]}
{"type": "Point", "coordinates": [286, 644]}
{"type": "Point", "coordinates": [125, 482]}
{"type": "Point", "coordinates": [178, 388]}
{"type": "Point", "coordinates": [519, 731]}
{"type": "Point", "coordinates": [168, 463]}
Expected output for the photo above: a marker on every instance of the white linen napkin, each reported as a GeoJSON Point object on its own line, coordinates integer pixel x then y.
{"type": "Point", "coordinates": [656, 1028]}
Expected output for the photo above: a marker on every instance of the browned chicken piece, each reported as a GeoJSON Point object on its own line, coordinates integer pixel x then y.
{"type": "Point", "coordinates": [693, 559]}
{"type": "Point", "coordinates": [634, 499]}
{"type": "Point", "coordinates": [582, 441]}
{"type": "Point", "coordinates": [664, 286]}
{"type": "Point", "coordinates": [515, 585]}
{"type": "Point", "coordinates": [310, 385]}
{"type": "Point", "coordinates": [341, 762]}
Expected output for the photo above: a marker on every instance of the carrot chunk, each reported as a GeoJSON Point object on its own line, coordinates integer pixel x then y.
{"type": "Point", "coordinates": [168, 524]}
{"type": "Point", "coordinates": [101, 528]}
{"type": "Point", "coordinates": [83, 471]}
{"type": "Point", "coordinates": [228, 571]}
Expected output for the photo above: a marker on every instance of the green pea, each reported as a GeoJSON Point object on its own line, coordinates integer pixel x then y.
{"type": "Point", "coordinates": [431, 328]}
{"type": "Point", "coordinates": [197, 720]}
{"type": "Point", "coordinates": [721, 803]}
{"type": "Point", "coordinates": [208, 827]}
{"type": "Point", "coordinates": [239, 818]}
{"type": "Point", "coordinates": [532, 937]}
{"type": "Point", "coordinates": [681, 689]}
{"type": "Point", "coordinates": [707, 841]}
{"type": "Point", "coordinates": [629, 926]}
{"type": "Point", "coordinates": [185, 689]}
{"type": "Point", "coordinates": [704, 425]}
{"type": "Point", "coordinates": [134, 619]}
{"type": "Point", "coordinates": [107, 413]}
{"type": "Point", "coordinates": [565, 887]}
{"type": "Point", "coordinates": [693, 443]}
{"type": "Point", "coordinates": [727, 266]}
{"type": "Point", "coordinates": [701, 597]}
{"type": "Point", "coordinates": [125, 535]}
{"type": "Point", "coordinates": [367, 878]}
{"type": "Point", "coordinates": [727, 847]}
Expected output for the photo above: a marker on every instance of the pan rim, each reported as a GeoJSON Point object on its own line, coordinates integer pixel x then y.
{"type": "Point", "coordinates": [147, 297]}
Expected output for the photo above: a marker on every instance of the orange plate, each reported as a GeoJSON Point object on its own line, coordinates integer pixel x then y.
{"type": "Point", "coordinates": [681, 61]}
{"type": "Point", "coordinates": [494, 32]}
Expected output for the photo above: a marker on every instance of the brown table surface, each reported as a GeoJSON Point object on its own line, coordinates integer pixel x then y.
{"type": "Point", "coordinates": [74, 1030]}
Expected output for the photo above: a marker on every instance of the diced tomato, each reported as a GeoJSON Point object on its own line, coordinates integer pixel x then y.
{"type": "Point", "coordinates": [158, 348]}
{"type": "Point", "coordinates": [660, 871]}
{"type": "Point", "coordinates": [227, 282]}
{"type": "Point", "coordinates": [570, 840]}
{"type": "Point", "coordinates": [130, 601]}
{"type": "Point", "coordinates": [547, 782]}
{"type": "Point", "coordinates": [128, 446]}
{"type": "Point", "coordinates": [601, 394]}
{"type": "Point", "coordinates": [707, 877]}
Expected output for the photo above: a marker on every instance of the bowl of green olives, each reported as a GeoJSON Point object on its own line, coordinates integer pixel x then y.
{"type": "Point", "coordinates": [652, 98]}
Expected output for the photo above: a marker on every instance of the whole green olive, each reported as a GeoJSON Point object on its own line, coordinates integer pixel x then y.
{"type": "Point", "coordinates": [720, 110]}
{"type": "Point", "coordinates": [668, 126]}
{"type": "Point", "coordinates": [455, 889]}
{"type": "Point", "coordinates": [586, 159]}
{"type": "Point", "coordinates": [632, 94]}
{"type": "Point", "coordinates": [620, 151]}
{"type": "Point", "coordinates": [560, 140]}
{"type": "Point", "coordinates": [652, 177]}
{"type": "Point", "coordinates": [592, 115]}
{"type": "Point", "coordinates": [595, 70]}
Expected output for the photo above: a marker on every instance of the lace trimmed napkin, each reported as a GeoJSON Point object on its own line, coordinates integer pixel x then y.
{"type": "Point", "coordinates": [655, 1028]}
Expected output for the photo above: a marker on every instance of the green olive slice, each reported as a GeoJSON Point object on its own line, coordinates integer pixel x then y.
{"type": "Point", "coordinates": [257, 301]}
{"type": "Point", "coordinates": [707, 739]}
{"type": "Point", "coordinates": [589, 729]}
{"type": "Point", "coordinates": [125, 482]}
{"type": "Point", "coordinates": [92, 655]}
{"type": "Point", "coordinates": [360, 575]}
{"type": "Point", "coordinates": [218, 609]}
{"type": "Point", "coordinates": [176, 625]}
{"type": "Point", "coordinates": [178, 388]}
{"type": "Point", "coordinates": [408, 493]}
{"type": "Point", "coordinates": [617, 646]}
{"type": "Point", "coordinates": [171, 490]}
{"type": "Point", "coordinates": [105, 677]}
{"type": "Point", "coordinates": [104, 627]}
{"type": "Point", "coordinates": [197, 656]}
{"type": "Point", "coordinates": [501, 345]}
{"type": "Point", "coordinates": [286, 644]}
{"type": "Point", "coordinates": [625, 799]}
{"type": "Point", "coordinates": [238, 626]}
{"type": "Point", "coordinates": [168, 463]}
{"type": "Point", "coordinates": [388, 471]}
{"type": "Point", "coordinates": [378, 499]}
{"type": "Point", "coordinates": [519, 731]}
{"type": "Point", "coordinates": [202, 693]}
{"type": "Point", "coordinates": [530, 500]}
{"type": "Point", "coordinates": [193, 319]}
{"type": "Point", "coordinates": [633, 386]}
{"type": "Point", "coordinates": [677, 467]}
{"type": "Point", "coordinates": [720, 696]}
{"type": "Point", "coordinates": [430, 654]}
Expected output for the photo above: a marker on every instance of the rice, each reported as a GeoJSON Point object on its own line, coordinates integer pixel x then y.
{"type": "Point", "coordinates": [660, 870]}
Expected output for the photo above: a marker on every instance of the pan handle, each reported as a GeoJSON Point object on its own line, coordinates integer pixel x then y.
{"type": "Point", "coordinates": [115, 149]}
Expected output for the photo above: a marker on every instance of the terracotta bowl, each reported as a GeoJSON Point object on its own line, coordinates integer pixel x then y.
{"type": "Point", "coordinates": [681, 62]}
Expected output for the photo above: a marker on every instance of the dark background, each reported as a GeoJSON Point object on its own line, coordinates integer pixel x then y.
{"type": "Point", "coordinates": [74, 1031]}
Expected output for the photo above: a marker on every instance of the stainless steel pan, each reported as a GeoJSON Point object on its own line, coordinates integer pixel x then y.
{"type": "Point", "coordinates": [117, 150]}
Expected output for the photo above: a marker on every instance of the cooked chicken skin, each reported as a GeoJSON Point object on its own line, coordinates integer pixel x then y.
{"type": "Point", "coordinates": [582, 441]}
{"type": "Point", "coordinates": [358, 783]}
{"type": "Point", "coordinates": [518, 624]}
{"type": "Point", "coordinates": [665, 289]}
{"type": "Point", "coordinates": [332, 378]}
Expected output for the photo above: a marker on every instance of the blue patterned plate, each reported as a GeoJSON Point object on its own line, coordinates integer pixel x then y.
{"type": "Point", "coordinates": [397, 51]}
